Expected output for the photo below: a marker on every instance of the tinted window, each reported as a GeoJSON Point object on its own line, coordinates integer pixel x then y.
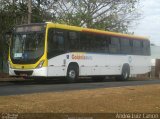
{"type": "Point", "coordinates": [137, 47]}
{"type": "Point", "coordinates": [125, 46]}
{"type": "Point", "coordinates": [93, 43]}
{"type": "Point", "coordinates": [56, 42]}
{"type": "Point", "coordinates": [100, 43]}
{"type": "Point", "coordinates": [85, 42]}
{"type": "Point", "coordinates": [73, 41]}
{"type": "Point", "coordinates": [108, 41]}
{"type": "Point", "coordinates": [114, 46]}
{"type": "Point", "coordinates": [146, 47]}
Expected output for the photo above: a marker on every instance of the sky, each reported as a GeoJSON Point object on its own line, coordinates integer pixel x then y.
{"type": "Point", "coordinates": [149, 25]}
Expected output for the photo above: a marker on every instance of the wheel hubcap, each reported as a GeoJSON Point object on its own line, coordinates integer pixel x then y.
{"type": "Point", "coordinates": [125, 74]}
{"type": "Point", "coordinates": [72, 74]}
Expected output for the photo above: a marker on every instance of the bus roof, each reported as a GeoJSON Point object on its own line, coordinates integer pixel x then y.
{"type": "Point", "coordinates": [75, 28]}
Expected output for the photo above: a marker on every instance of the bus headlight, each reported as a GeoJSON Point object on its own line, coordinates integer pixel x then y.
{"type": "Point", "coordinates": [40, 64]}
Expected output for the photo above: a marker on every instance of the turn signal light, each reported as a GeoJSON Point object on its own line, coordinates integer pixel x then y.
{"type": "Point", "coordinates": [40, 64]}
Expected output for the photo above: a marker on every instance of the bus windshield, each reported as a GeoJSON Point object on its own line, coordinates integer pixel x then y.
{"type": "Point", "coordinates": [27, 47]}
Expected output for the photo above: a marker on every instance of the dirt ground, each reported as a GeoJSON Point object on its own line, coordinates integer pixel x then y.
{"type": "Point", "coordinates": [6, 77]}
{"type": "Point", "coordinates": [140, 99]}
{"type": "Point", "coordinates": [3, 75]}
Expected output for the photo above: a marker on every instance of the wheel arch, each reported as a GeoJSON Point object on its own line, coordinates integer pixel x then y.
{"type": "Point", "coordinates": [73, 64]}
{"type": "Point", "coordinates": [125, 65]}
{"type": "Point", "coordinates": [123, 77]}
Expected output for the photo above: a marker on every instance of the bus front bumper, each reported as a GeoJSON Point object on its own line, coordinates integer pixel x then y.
{"type": "Point", "coordinates": [29, 72]}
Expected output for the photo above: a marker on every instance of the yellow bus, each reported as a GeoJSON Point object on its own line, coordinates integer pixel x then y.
{"type": "Point", "coordinates": [57, 50]}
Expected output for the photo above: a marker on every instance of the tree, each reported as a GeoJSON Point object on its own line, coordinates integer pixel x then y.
{"type": "Point", "coordinates": [14, 12]}
{"type": "Point", "coordinates": [112, 15]}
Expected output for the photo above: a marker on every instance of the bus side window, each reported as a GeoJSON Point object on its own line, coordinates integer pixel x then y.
{"type": "Point", "coordinates": [125, 46]}
{"type": "Point", "coordinates": [59, 41]}
{"type": "Point", "coordinates": [108, 41]}
{"type": "Point", "coordinates": [50, 42]}
{"type": "Point", "coordinates": [85, 42]}
{"type": "Point", "coordinates": [93, 41]}
{"type": "Point", "coordinates": [55, 42]}
{"type": "Point", "coordinates": [131, 46]}
{"type": "Point", "coordinates": [146, 48]}
{"type": "Point", "coordinates": [100, 43]}
{"type": "Point", "coordinates": [114, 47]}
{"type": "Point", "coordinates": [73, 41]}
{"type": "Point", "coordinates": [141, 48]}
{"type": "Point", "coordinates": [136, 47]}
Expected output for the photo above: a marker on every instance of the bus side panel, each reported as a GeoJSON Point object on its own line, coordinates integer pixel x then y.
{"type": "Point", "coordinates": [140, 64]}
{"type": "Point", "coordinates": [57, 66]}
{"type": "Point", "coordinates": [94, 64]}
{"type": "Point", "coordinates": [91, 64]}
{"type": "Point", "coordinates": [102, 64]}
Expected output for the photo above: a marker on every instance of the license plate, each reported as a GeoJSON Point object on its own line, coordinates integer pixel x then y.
{"type": "Point", "coordinates": [23, 74]}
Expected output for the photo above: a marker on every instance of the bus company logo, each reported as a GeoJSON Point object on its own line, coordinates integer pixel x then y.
{"type": "Point", "coordinates": [130, 59]}
{"type": "Point", "coordinates": [81, 57]}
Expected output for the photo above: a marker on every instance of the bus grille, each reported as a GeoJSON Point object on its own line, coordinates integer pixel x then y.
{"type": "Point", "coordinates": [28, 73]}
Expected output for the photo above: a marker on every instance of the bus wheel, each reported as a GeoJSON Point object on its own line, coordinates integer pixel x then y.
{"type": "Point", "coordinates": [72, 73]}
{"type": "Point", "coordinates": [125, 73]}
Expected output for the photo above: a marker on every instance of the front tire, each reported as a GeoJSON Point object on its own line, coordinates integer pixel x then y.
{"type": "Point", "coordinates": [72, 73]}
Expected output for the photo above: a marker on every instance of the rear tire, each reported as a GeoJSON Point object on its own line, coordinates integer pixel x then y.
{"type": "Point", "coordinates": [125, 73]}
{"type": "Point", "coordinates": [72, 73]}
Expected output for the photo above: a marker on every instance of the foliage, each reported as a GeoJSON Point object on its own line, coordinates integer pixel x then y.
{"type": "Point", "coordinates": [113, 15]}
{"type": "Point", "coordinates": [15, 12]}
